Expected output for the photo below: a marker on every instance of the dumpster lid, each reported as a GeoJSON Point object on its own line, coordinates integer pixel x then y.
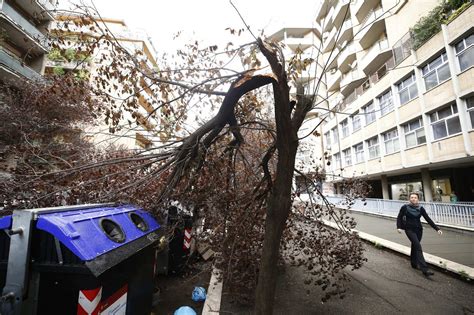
{"type": "Point", "coordinates": [6, 222]}
{"type": "Point", "coordinates": [91, 233]}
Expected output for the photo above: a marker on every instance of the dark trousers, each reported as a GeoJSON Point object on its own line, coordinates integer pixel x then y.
{"type": "Point", "coordinates": [416, 255]}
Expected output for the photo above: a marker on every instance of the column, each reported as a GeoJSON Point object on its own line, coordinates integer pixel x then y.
{"type": "Point", "coordinates": [385, 194]}
{"type": "Point", "coordinates": [426, 180]}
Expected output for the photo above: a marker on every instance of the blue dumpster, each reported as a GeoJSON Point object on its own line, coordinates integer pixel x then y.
{"type": "Point", "coordinates": [87, 259]}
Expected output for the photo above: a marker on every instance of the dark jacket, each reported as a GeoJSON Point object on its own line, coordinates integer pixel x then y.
{"type": "Point", "coordinates": [406, 220]}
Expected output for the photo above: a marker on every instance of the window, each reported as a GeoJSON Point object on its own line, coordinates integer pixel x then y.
{"type": "Point", "coordinates": [359, 152]}
{"type": "Point", "coordinates": [345, 128]}
{"type": "Point", "coordinates": [337, 161]}
{"type": "Point", "coordinates": [445, 122]}
{"type": "Point", "coordinates": [369, 112]}
{"type": "Point", "coordinates": [436, 71]}
{"type": "Point", "coordinates": [407, 89]}
{"type": "Point", "coordinates": [327, 136]}
{"type": "Point", "coordinates": [465, 52]}
{"type": "Point", "coordinates": [470, 109]}
{"type": "Point", "coordinates": [347, 157]}
{"type": "Point", "coordinates": [390, 139]}
{"type": "Point", "coordinates": [385, 103]}
{"type": "Point", "coordinates": [414, 133]}
{"type": "Point", "coordinates": [335, 134]}
{"type": "Point", "coordinates": [373, 145]}
{"type": "Point", "coordinates": [356, 123]}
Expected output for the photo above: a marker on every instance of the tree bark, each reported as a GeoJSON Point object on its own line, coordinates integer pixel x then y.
{"type": "Point", "coordinates": [279, 201]}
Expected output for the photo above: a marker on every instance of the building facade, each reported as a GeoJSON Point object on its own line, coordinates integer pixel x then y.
{"type": "Point", "coordinates": [142, 134]}
{"type": "Point", "coordinates": [402, 113]}
{"type": "Point", "coordinates": [23, 38]}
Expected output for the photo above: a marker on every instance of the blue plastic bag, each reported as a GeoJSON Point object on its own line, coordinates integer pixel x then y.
{"type": "Point", "coordinates": [185, 310]}
{"type": "Point", "coordinates": [199, 294]}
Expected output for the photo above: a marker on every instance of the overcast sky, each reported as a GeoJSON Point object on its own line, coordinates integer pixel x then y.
{"type": "Point", "coordinates": [206, 20]}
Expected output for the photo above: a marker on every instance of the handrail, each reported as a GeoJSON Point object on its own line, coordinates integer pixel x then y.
{"type": "Point", "coordinates": [456, 214]}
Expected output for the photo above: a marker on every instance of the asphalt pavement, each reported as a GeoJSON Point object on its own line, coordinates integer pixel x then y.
{"type": "Point", "coordinates": [386, 284]}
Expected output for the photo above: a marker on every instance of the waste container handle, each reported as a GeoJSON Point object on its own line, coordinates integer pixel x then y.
{"type": "Point", "coordinates": [18, 230]}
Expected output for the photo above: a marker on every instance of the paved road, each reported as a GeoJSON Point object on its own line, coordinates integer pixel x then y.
{"type": "Point", "coordinates": [386, 284]}
{"type": "Point", "coordinates": [452, 245]}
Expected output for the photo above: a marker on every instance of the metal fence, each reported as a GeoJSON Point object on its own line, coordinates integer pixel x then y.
{"type": "Point", "coordinates": [458, 214]}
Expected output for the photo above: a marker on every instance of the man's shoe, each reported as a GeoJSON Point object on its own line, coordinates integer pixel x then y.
{"type": "Point", "coordinates": [428, 273]}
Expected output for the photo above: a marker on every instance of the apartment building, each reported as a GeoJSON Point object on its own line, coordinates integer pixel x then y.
{"type": "Point", "coordinates": [142, 134]}
{"type": "Point", "coordinates": [403, 114]}
{"type": "Point", "coordinates": [23, 38]}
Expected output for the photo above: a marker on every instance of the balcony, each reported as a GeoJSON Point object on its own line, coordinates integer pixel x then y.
{"type": "Point", "coordinates": [298, 42]}
{"type": "Point", "coordinates": [346, 33]}
{"type": "Point", "coordinates": [328, 21]}
{"type": "Point", "coordinates": [21, 32]}
{"type": "Point", "coordinates": [376, 56]}
{"type": "Point", "coordinates": [40, 9]}
{"type": "Point", "coordinates": [363, 7]}
{"type": "Point", "coordinates": [323, 10]}
{"type": "Point", "coordinates": [350, 80]}
{"type": "Point", "coordinates": [371, 28]}
{"type": "Point", "coordinates": [347, 57]}
{"type": "Point", "coordinates": [333, 80]}
{"type": "Point", "coordinates": [72, 65]}
{"type": "Point", "coordinates": [12, 68]}
{"type": "Point", "coordinates": [330, 41]}
{"type": "Point", "coordinates": [341, 12]}
{"type": "Point", "coordinates": [332, 62]}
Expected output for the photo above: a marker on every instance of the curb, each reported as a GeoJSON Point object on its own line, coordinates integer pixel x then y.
{"type": "Point", "coordinates": [461, 270]}
{"type": "Point", "coordinates": [214, 294]}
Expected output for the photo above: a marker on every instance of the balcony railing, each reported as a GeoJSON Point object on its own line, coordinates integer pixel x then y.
{"type": "Point", "coordinates": [348, 50]}
{"type": "Point", "coordinates": [371, 17]}
{"type": "Point", "coordinates": [375, 49]}
{"type": "Point", "coordinates": [24, 25]}
{"type": "Point", "coordinates": [15, 65]}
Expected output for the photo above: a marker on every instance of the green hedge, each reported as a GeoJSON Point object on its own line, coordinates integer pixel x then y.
{"type": "Point", "coordinates": [429, 25]}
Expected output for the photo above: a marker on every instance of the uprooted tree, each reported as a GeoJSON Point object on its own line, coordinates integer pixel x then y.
{"type": "Point", "coordinates": [236, 169]}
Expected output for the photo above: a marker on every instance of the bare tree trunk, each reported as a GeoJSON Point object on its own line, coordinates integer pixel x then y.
{"type": "Point", "coordinates": [278, 208]}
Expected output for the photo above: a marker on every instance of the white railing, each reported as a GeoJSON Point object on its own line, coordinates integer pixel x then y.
{"type": "Point", "coordinates": [348, 50]}
{"type": "Point", "coordinates": [459, 214]}
{"type": "Point", "coordinates": [371, 17]}
{"type": "Point", "coordinates": [376, 48]}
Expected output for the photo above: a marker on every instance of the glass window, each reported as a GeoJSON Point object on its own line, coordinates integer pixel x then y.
{"type": "Point", "coordinates": [390, 139]}
{"type": "Point", "coordinates": [356, 122]}
{"type": "Point", "coordinates": [373, 146]}
{"type": "Point", "coordinates": [335, 134]}
{"type": "Point", "coordinates": [414, 133]}
{"type": "Point", "coordinates": [337, 161]}
{"type": "Point", "coordinates": [436, 72]}
{"type": "Point", "coordinates": [407, 89]}
{"type": "Point", "coordinates": [345, 128]}
{"type": "Point", "coordinates": [370, 114]}
{"type": "Point", "coordinates": [401, 191]}
{"type": "Point", "coordinates": [385, 103]}
{"type": "Point", "coordinates": [470, 109]}
{"type": "Point", "coordinates": [327, 136]}
{"type": "Point", "coordinates": [347, 157]}
{"type": "Point", "coordinates": [359, 152]}
{"type": "Point", "coordinates": [445, 122]}
{"type": "Point", "coordinates": [465, 52]}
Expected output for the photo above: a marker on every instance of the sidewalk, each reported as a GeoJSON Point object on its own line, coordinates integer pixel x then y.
{"type": "Point", "coordinates": [454, 246]}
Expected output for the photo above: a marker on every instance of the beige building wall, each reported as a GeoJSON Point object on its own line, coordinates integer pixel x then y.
{"type": "Point", "coordinates": [352, 97]}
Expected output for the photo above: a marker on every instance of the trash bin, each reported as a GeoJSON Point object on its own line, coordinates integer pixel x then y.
{"type": "Point", "coordinates": [86, 259]}
{"type": "Point", "coordinates": [180, 245]}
